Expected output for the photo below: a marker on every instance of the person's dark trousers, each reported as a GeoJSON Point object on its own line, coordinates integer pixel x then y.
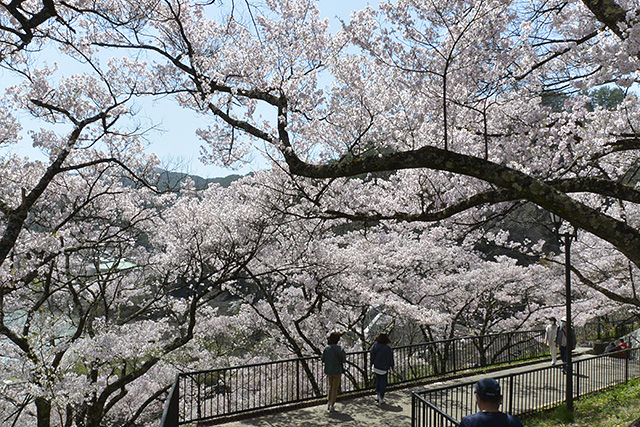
{"type": "Point", "coordinates": [563, 356]}
{"type": "Point", "coordinates": [381, 384]}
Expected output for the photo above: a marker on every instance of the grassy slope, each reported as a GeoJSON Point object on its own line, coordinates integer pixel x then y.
{"type": "Point", "coordinates": [617, 407]}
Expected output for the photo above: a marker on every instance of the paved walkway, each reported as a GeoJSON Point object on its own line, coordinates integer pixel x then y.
{"type": "Point", "coordinates": [363, 411]}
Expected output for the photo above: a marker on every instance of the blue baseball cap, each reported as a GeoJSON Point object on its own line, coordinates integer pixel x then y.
{"type": "Point", "coordinates": [488, 387]}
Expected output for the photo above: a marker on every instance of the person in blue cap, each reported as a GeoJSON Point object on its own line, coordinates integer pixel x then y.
{"type": "Point", "coordinates": [489, 399]}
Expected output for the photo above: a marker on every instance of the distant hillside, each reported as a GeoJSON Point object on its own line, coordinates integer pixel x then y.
{"type": "Point", "coordinates": [170, 180]}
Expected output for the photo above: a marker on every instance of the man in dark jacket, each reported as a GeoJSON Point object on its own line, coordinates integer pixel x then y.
{"type": "Point", "coordinates": [333, 358]}
{"type": "Point", "coordinates": [489, 399]}
{"type": "Point", "coordinates": [382, 361]}
{"type": "Point", "coordinates": [566, 340]}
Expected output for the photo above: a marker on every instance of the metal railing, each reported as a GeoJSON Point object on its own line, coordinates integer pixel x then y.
{"type": "Point", "coordinates": [170, 413]}
{"type": "Point", "coordinates": [526, 392]}
{"type": "Point", "coordinates": [425, 413]}
{"type": "Point", "coordinates": [601, 330]}
{"type": "Point", "coordinates": [225, 392]}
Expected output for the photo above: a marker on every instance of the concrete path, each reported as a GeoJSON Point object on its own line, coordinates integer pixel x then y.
{"type": "Point", "coordinates": [364, 411]}
{"type": "Point", "coordinates": [533, 388]}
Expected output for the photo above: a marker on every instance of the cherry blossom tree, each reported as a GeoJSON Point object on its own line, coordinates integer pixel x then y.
{"type": "Point", "coordinates": [20, 22]}
{"type": "Point", "coordinates": [431, 276]}
{"type": "Point", "coordinates": [412, 113]}
{"type": "Point", "coordinates": [89, 321]}
{"type": "Point", "coordinates": [98, 322]}
{"type": "Point", "coordinates": [449, 97]}
{"type": "Point", "coordinates": [448, 94]}
{"type": "Point", "coordinates": [63, 279]}
{"type": "Point", "coordinates": [46, 208]}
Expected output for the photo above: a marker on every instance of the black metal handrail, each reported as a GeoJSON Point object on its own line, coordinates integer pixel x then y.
{"type": "Point", "coordinates": [230, 391]}
{"type": "Point", "coordinates": [422, 409]}
{"type": "Point", "coordinates": [601, 331]}
{"type": "Point", "coordinates": [528, 391]}
{"type": "Point", "coordinates": [170, 413]}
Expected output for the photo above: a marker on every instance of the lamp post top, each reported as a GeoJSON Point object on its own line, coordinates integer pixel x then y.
{"type": "Point", "coordinates": [557, 221]}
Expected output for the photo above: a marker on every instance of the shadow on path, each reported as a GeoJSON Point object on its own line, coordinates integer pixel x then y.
{"type": "Point", "coordinates": [363, 411]}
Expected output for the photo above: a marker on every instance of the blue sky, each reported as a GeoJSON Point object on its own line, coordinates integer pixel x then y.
{"type": "Point", "coordinates": [177, 143]}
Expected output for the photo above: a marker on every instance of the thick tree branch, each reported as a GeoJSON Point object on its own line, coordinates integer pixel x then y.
{"type": "Point", "coordinates": [604, 291]}
{"type": "Point", "coordinates": [609, 13]}
{"type": "Point", "coordinates": [519, 184]}
{"type": "Point", "coordinates": [28, 21]}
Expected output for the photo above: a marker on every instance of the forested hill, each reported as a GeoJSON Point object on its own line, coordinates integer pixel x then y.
{"type": "Point", "coordinates": [170, 180]}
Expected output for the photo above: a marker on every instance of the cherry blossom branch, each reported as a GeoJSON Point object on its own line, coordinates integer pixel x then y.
{"type": "Point", "coordinates": [609, 13]}
{"type": "Point", "coordinates": [634, 301]}
{"type": "Point", "coordinates": [28, 21]}
{"type": "Point", "coordinates": [521, 185]}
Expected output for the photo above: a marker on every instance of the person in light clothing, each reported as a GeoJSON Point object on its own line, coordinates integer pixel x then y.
{"type": "Point", "coordinates": [550, 333]}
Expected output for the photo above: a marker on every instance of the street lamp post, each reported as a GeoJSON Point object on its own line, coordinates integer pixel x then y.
{"type": "Point", "coordinates": [568, 237]}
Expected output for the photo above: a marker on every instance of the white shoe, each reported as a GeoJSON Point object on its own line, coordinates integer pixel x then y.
{"type": "Point", "coordinates": [381, 400]}
{"type": "Point", "coordinates": [377, 398]}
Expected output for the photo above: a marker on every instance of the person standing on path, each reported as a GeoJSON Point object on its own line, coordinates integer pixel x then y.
{"type": "Point", "coordinates": [381, 362]}
{"type": "Point", "coordinates": [489, 399]}
{"type": "Point", "coordinates": [622, 345]}
{"type": "Point", "coordinates": [333, 358]}
{"type": "Point", "coordinates": [566, 340]}
{"type": "Point", "coordinates": [550, 333]}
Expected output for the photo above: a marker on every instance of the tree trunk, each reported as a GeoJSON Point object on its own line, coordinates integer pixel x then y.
{"type": "Point", "coordinates": [43, 408]}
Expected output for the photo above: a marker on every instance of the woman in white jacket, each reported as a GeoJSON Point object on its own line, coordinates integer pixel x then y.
{"type": "Point", "coordinates": [550, 333]}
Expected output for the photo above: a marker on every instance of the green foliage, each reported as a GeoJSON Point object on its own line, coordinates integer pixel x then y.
{"type": "Point", "coordinates": [554, 99]}
{"type": "Point", "coordinates": [606, 97]}
{"type": "Point", "coordinates": [617, 407]}
{"type": "Point", "coordinates": [562, 414]}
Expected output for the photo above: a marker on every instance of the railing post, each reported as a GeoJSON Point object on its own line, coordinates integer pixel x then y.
{"type": "Point", "coordinates": [455, 356]}
{"type": "Point", "coordinates": [199, 406]}
{"type": "Point", "coordinates": [298, 379]}
{"type": "Point", "coordinates": [627, 356]}
{"type": "Point", "coordinates": [171, 407]}
{"type": "Point", "coordinates": [510, 394]}
{"type": "Point", "coordinates": [414, 410]}
{"type": "Point", "coordinates": [365, 370]}
{"type": "Point", "coordinates": [577, 366]}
